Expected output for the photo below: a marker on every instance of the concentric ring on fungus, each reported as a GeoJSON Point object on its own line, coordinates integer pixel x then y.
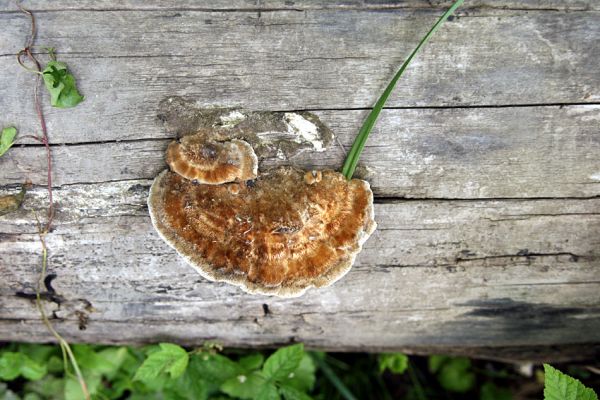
{"type": "Point", "coordinates": [280, 234]}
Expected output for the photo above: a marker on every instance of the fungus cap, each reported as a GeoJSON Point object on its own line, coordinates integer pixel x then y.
{"type": "Point", "coordinates": [212, 162]}
{"type": "Point", "coordinates": [280, 235]}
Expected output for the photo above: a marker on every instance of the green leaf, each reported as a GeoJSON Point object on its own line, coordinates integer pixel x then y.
{"type": "Point", "coordinates": [455, 375]}
{"type": "Point", "coordinates": [7, 139]}
{"type": "Point", "coordinates": [13, 365]}
{"type": "Point", "coordinates": [39, 353]}
{"type": "Point", "coordinates": [251, 362]}
{"type": "Point", "coordinates": [435, 362]}
{"type": "Point", "coordinates": [397, 363]}
{"type": "Point", "coordinates": [489, 391]}
{"type": "Point", "coordinates": [283, 362]}
{"type": "Point", "coordinates": [170, 359]}
{"type": "Point", "coordinates": [105, 362]}
{"type": "Point", "coordinates": [303, 377]}
{"type": "Point", "coordinates": [365, 130]}
{"type": "Point", "coordinates": [268, 392]}
{"type": "Point", "coordinates": [292, 393]}
{"type": "Point", "coordinates": [10, 366]}
{"type": "Point", "coordinates": [244, 386]}
{"type": "Point", "coordinates": [558, 386]}
{"type": "Point", "coordinates": [49, 387]}
{"type": "Point", "coordinates": [73, 389]}
{"type": "Point", "coordinates": [61, 85]}
{"type": "Point", "coordinates": [216, 368]}
{"type": "Point", "coordinates": [190, 385]}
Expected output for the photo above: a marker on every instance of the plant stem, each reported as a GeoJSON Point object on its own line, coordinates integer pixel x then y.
{"type": "Point", "coordinates": [43, 231]}
{"type": "Point", "coordinates": [419, 392]}
{"type": "Point", "coordinates": [38, 301]}
{"type": "Point", "coordinates": [359, 143]}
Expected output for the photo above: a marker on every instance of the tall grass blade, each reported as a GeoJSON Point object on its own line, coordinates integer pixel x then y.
{"type": "Point", "coordinates": [365, 130]}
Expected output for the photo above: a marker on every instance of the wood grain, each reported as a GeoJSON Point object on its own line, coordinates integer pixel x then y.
{"type": "Point", "coordinates": [485, 168]}
{"type": "Point", "coordinates": [439, 153]}
{"type": "Point", "coordinates": [319, 59]}
{"type": "Point", "coordinates": [278, 5]}
{"type": "Point", "coordinates": [446, 273]}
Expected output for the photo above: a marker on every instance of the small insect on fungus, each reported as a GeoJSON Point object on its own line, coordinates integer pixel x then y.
{"type": "Point", "coordinates": [276, 233]}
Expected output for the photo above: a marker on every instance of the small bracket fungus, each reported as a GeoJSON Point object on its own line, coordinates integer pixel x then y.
{"type": "Point", "coordinates": [212, 162]}
{"type": "Point", "coordinates": [277, 233]}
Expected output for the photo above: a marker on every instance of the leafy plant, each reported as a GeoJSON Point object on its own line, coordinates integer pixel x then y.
{"type": "Point", "coordinates": [558, 386]}
{"type": "Point", "coordinates": [61, 85]}
{"type": "Point", "coordinates": [63, 92]}
{"type": "Point", "coordinates": [396, 363]}
{"type": "Point", "coordinates": [453, 373]}
{"type": "Point", "coordinates": [7, 139]}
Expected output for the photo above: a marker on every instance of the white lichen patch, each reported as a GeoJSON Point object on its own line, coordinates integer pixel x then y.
{"type": "Point", "coordinates": [305, 130]}
{"type": "Point", "coordinates": [595, 177]}
{"type": "Point", "coordinates": [232, 119]}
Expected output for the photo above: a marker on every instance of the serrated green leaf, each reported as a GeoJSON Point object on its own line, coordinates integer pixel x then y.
{"type": "Point", "coordinates": [559, 386]}
{"type": "Point", "coordinates": [303, 377]}
{"type": "Point", "coordinates": [102, 362]}
{"type": "Point", "coordinates": [283, 362]}
{"type": "Point", "coordinates": [61, 85]}
{"type": "Point", "coordinates": [112, 359]}
{"type": "Point", "coordinates": [397, 363]}
{"type": "Point", "coordinates": [268, 392]}
{"type": "Point", "coordinates": [244, 386]}
{"type": "Point", "coordinates": [13, 365]}
{"type": "Point", "coordinates": [169, 359]}
{"type": "Point", "coordinates": [7, 139]}
{"type": "Point", "coordinates": [251, 362]}
{"type": "Point", "coordinates": [191, 385]}
{"type": "Point", "coordinates": [292, 393]}
{"type": "Point", "coordinates": [216, 368]}
{"type": "Point", "coordinates": [489, 391]}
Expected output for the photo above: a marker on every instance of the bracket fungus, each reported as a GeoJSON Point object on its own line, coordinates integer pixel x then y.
{"type": "Point", "coordinates": [211, 162]}
{"type": "Point", "coordinates": [276, 233]}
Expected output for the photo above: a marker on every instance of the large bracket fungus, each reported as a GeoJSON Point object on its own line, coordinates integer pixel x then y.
{"type": "Point", "coordinates": [279, 234]}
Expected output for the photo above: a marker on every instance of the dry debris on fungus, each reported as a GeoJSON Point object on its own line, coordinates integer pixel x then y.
{"type": "Point", "coordinates": [279, 234]}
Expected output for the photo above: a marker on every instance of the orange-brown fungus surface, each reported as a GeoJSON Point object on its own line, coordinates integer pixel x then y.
{"type": "Point", "coordinates": [212, 162]}
{"type": "Point", "coordinates": [279, 234]}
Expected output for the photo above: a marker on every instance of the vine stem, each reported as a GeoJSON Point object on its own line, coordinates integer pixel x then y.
{"type": "Point", "coordinates": [38, 108]}
{"type": "Point", "coordinates": [64, 345]}
{"type": "Point", "coordinates": [45, 229]}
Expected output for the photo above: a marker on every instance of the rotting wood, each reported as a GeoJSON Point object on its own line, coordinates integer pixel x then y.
{"type": "Point", "coordinates": [453, 153]}
{"type": "Point", "coordinates": [314, 60]}
{"type": "Point", "coordinates": [518, 277]}
{"type": "Point", "coordinates": [447, 273]}
{"type": "Point", "coordinates": [279, 5]}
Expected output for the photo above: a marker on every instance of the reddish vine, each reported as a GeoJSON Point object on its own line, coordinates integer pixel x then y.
{"type": "Point", "coordinates": [27, 53]}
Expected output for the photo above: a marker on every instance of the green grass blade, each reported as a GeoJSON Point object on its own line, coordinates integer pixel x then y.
{"type": "Point", "coordinates": [334, 379]}
{"type": "Point", "coordinates": [365, 130]}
